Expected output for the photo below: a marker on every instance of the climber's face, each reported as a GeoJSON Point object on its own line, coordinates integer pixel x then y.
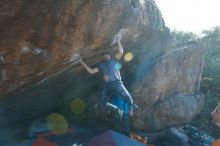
{"type": "Point", "coordinates": [106, 56]}
{"type": "Point", "coordinates": [216, 116]}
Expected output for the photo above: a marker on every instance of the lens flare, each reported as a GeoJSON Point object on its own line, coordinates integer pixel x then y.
{"type": "Point", "coordinates": [57, 124]}
{"type": "Point", "coordinates": [128, 56]}
{"type": "Point", "coordinates": [77, 106]}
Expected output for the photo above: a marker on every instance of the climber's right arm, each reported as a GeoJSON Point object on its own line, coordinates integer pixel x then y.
{"type": "Point", "coordinates": [89, 69]}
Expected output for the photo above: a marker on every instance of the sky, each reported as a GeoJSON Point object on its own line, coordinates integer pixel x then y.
{"type": "Point", "coordinates": [190, 15]}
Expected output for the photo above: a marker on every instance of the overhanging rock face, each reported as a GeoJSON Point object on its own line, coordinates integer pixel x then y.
{"type": "Point", "coordinates": [40, 40]}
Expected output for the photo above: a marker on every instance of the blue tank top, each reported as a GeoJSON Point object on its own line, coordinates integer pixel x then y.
{"type": "Point", "coordinates": [110, 70]}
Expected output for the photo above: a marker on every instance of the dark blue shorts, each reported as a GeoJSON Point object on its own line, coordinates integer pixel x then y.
{"type": "Point", "coordinates": [115, 88]}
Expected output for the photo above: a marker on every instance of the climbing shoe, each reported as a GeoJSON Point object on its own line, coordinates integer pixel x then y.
{"type": "Point", "coordinates": [120, 113]}
{"type": "Point", "coordinates": [132, 108]}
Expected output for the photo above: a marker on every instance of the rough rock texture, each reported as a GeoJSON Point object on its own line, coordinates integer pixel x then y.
{"type": "Point", "coordinates": [169, 93]}
{"type": "Point", "coordinates": [41, 39]}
